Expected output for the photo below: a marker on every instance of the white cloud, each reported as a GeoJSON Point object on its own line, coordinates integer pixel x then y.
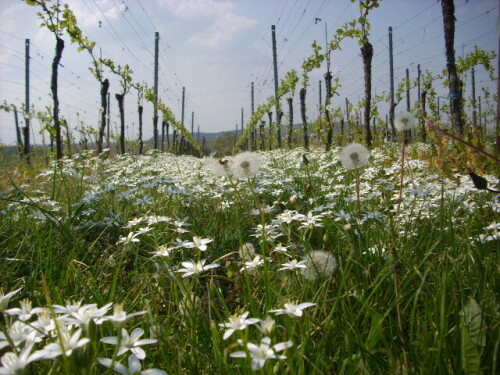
{"type": "Point", "coordinates": [44, 39]}
{"type": "Point", "coordinates": [217, 24]}
{"type": "Point", "coordinates": [90, 16]}
{"type": "Point", "coordinates": [8, 18]}
{"type": "Point", "coordinates": [193, 9]}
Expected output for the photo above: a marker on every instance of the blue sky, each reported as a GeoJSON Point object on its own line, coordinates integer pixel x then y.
{"type": "Point", "coordinates": [217, 48]}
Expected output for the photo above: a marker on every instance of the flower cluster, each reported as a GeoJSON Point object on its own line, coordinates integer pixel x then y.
{"type": "Point", "coordinates": [264, 351]}
{"type": "Point", "coordinates": [297, 233]}
{"type": "Point", "coordinates": [42, 333]}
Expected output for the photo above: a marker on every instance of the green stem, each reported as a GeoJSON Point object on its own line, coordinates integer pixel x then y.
{"type": "Point", "coordinates": [400, 322]}
{"type": "Point", "coordinates": [242, 201]}
{"type": "Point", "coordinates": [403, 148]}
{"type": "Point", "coordinates": [357, 189]}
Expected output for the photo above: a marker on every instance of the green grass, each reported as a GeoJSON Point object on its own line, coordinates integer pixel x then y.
{"type": "Point", "coordinates": [62, 240]}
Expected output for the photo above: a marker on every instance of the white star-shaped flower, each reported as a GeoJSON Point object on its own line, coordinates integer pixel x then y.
{"type": "Point", "coordinates": [130, 342]}
{"type": "Point", "coordinates": [191, 268]}
{"type": "Point", "coordinates": [15, 363]}
{"type": "Point", "coordinates": [4, 298]}
{"type": "Point", "coordinates": [200, 243]}
{"type": "Point", "coordinates": [65, 343]}
{"type": "Point", "coordinates": [262, 352]}
{"type": "Point", "coordinates": [237, 322]}
{"type": "Point", "coordinates": [257, 261]}
{"type": "Point", "coordinates": [292, 309]}
{"type": "Point", "coordinates": [26, 311]}
{"type": "Point", "coordinates": [134, 367]}
{"type": "Point", "coordinates": [294, 264]}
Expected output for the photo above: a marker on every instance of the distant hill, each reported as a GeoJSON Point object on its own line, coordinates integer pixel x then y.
{"type": "Point", "coordinates": [212, 135]}
{"type": "Point", "coordinates": [220, 134]}
{"type": "Point", "coordinates": [210, 138]}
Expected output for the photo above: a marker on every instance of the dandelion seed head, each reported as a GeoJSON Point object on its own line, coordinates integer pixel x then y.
{"type": "Point", "coordinates": [404, 121]}
{"type": "Point", "coordinates": [354, 156]}
{"type": "Point", "coordinates": [320, 264]}
{"type": "Point", "coordinates": [245, 165]}
{"type": "Point", "coordinates": [219, 167]}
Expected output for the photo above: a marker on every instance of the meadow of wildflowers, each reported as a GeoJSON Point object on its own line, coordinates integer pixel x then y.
{"type": "Point", "coordinates": [261, 262]}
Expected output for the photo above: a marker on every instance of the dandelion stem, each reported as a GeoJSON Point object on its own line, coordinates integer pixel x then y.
{"type": "Point", "coordinates": [356, 171]}
{"type": "Point", "coordinates": [403, 148]}
{"type": "Point", "coordinates": [242, 201]}
{"type": "Point", "coordinates": [260, 206]}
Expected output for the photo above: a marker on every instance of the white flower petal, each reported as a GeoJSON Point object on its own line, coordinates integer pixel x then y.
{"type": "Point", "coordinates": [139, 352]}
{"type": "Point", "coordinates": [136, 333]}
{"type": "Point", "coordinates": [282, 346]}
{"type": "Point", "coordinates": [134, 364]}
{"type": "Point", "coordinates": [227, 334]}
{"type": "Point", "coordinates": [109, 340]}
{"type": "Point", "coordinates": [118, 367]}
{"type": "Point", "coordinates": [238, 355]}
